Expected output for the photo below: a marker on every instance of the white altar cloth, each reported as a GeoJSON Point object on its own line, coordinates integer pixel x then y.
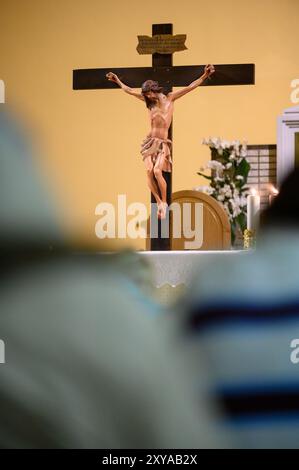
{"type": "Point", "coordinates": [178, 267]}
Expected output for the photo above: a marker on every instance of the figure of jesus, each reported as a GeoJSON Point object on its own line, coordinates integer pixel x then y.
{"type": "Point", "coordinates": [156, 147]}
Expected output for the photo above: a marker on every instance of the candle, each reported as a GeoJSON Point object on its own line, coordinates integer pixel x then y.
{"type": "Point", "coordinates": [253, 210]}
{"type": "Point", "coordinates": [272, 194]}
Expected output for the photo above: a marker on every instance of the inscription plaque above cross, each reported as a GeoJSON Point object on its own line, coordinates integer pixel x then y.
{"type": "Point", "coordinates": [168, 76]}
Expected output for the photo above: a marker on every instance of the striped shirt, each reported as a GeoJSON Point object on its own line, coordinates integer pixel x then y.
{"type": "Point", "coordinates": [243, 315]}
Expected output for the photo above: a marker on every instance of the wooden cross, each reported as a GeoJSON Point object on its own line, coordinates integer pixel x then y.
{"type": "Point", "coordinates": [168, 76]}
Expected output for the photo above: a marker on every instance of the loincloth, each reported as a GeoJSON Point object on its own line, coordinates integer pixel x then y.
{"type": "Point", "coordinates": [157, 148]}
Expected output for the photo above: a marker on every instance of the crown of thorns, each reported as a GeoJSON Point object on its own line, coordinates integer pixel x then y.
{"type": "Point", "coordinates": [151, 85]}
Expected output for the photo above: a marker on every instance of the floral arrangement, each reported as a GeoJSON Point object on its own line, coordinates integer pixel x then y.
{"type": "Point", "coordinates": [228, 179]}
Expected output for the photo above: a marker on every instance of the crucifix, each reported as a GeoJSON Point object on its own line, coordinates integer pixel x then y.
{"type": "Point", "coordinates": [168, 76]}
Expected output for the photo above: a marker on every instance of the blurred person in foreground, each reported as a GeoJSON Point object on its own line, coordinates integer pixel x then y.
{"type": "Point", "coordinates": [241, 316]}
{"type": "Point", "coordinates": [90, 362]}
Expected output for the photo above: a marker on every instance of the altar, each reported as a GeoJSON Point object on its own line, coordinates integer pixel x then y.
{"type": "Point", "coordinates": [173, 271]}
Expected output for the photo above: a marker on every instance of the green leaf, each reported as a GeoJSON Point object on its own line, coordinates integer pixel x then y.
{"type": "Point", "coordinates": [205, 176]}
{"type": "Point", "coordinates": [242, 221]}
{"type": "Point", "coordinates": [233, 229]}
{"type": "Point", "coordinates": [243, 168]}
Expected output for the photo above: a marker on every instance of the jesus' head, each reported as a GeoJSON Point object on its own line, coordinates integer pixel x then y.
{"type": "Point", "coordinates": [150, 89]}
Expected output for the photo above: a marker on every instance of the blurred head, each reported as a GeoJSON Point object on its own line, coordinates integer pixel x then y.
{"type": "Point", "coordinates": [150, 89]}
{"type": "Point", "coordinates": [28, 212]}
{"type": "Point", "coordinates": [283, 213]}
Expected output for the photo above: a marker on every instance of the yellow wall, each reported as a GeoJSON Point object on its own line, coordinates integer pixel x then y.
{"type": "Point", "coordinates": [90, 140]}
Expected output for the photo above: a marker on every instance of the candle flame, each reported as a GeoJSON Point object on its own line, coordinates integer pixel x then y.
{"type": "Point", "coordinates": [253, 192]}
{"type": "Point", "coordinates": [273, 190]}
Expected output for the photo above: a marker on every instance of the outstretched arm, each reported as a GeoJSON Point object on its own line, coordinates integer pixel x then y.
{"type": "Point", "coordinates": [174, 95]}
{"type": "Point", "coordinates": [114, 78]}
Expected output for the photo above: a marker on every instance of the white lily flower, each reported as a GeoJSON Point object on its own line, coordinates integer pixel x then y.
{"type": "Point", "coordinates": [215, 165]}
{"type": "Point", "coordinates": [243, 201]}
{"type": "Point", "coordinates": [237, 150]}
{"type": "Point", "coordinates": [225, 144]}
{"type": "Point", "coordinates": [225, 190]}
{"type": "Point", "coordinates": [204, 189]}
